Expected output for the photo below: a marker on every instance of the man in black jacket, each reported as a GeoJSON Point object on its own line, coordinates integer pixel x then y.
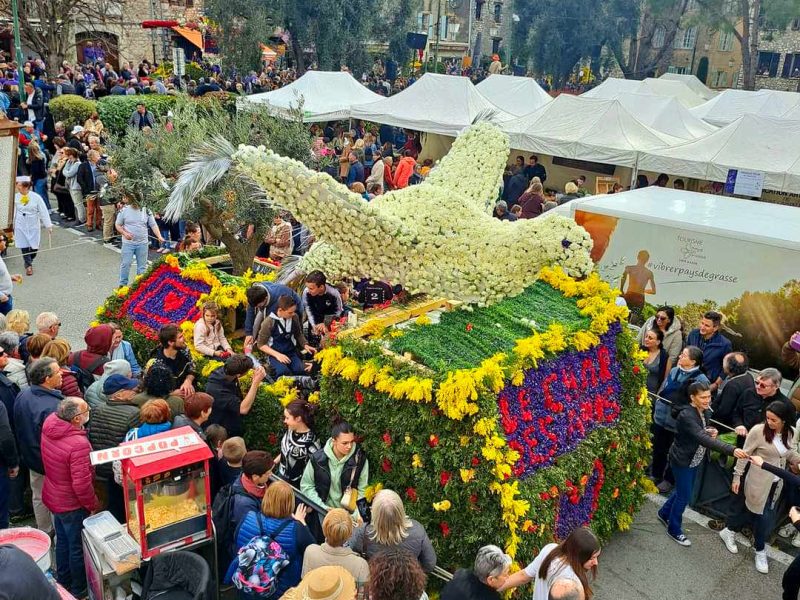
{"type": "Point", "coordinates": [9, 464]}
{"type": "Point", "coordinates": [754, 403]}
{"type": "Point", "coordinates": [32, 102]}
{"type": "Point", "coordinates": [489, 573]}
{"type": "Point", "coordinates": [727, 406]}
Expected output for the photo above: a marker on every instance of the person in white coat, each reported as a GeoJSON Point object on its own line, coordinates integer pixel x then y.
{"type": "Point", "coordinates": [30, 214]}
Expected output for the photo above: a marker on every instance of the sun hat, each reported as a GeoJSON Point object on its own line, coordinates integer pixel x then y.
{"type": "Point", "coordinates": [327, 583]}
{"type": "Point", "coordinates": [77, 129]}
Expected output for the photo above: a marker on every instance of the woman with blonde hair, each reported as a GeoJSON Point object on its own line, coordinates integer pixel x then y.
{"type": "Point", "coordinates": [285, 524]}
{"type": "Point", "coordinates": [338, 528]}
{"type": "Point", "coordinates": [209, 336]}
{"type": "Point", "coordinates": [19, 321]}
{"type": "Point", "coordinates": [392, 528]}
{"type": "Point", "coordinates": [59, 349]}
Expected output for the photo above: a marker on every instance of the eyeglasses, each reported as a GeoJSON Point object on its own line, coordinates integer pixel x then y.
{"type": "Point", "coordinates": [85, 412]}
{"type": "Point", "coordinates": [661, 318]}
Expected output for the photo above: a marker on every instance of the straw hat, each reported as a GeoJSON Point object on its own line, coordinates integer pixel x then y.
{"type": "Point", "coordinates": [327, 583]}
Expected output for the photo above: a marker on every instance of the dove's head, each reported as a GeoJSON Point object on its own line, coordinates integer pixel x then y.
{"type": "Point", "coordinates": [575, 247]}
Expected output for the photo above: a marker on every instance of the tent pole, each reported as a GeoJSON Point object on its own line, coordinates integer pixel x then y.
{"type": "Point", "coordinates": [635, 172]}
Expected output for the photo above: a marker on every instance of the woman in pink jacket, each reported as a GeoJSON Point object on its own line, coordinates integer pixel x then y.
{"type": "Point", "coordinates": [68, 487]}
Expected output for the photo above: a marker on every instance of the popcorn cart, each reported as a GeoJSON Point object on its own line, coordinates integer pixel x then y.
{"type": "Point", "coordinates": [167, 490]}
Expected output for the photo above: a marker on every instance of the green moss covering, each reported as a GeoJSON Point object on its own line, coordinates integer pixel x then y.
{"type": "Point", "coordinates": [463, 339]}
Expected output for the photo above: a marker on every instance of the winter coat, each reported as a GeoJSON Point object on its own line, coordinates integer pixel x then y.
{"type": "Point", "coordinates": [125, 352]}
{"type": "Point", "coordinates": [69, 484]}
{"type": "Point", "coordinates": [403, 172]}
{"type": "Point", "coordinates": [98, 343]}
{"type": "Point", "coordinates": [15, 371]}
{"type": "Point", "coordinates": [31, 408]}
{"type": "Point", "coordinates": [294, 539]}
{"type": "Point", "coordinates": [21, 578]}
{"type": "Point", "coordinates": [94, 394]}
{"type": "Point", "coordinates": [673, 337]}
{"type": "Point", "coordinates": [9, 459]}
{"type": "Point", "coordinates": [109, 425]}
{"type": "Point", "coordinates": [207, 340]}
{"type": "Point", "coordinates": [69, 384]}
{"type": "Point", "coordinates": [417, 543]}
{"type": "Point", "coordinates": [758, 482]}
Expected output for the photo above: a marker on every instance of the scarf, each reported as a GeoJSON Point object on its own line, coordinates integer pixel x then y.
{"type": "Point", "coordinates": [24, 200]}
{"type": "Point", "coordinates": [251, 488]}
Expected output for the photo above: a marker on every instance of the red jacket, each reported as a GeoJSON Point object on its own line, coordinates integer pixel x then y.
{"type": "Point", "coordinates": [98, 344]}
{"type": "Point", "coordinates": [69, 384]}
{"type": "Point", "coordinates": [403, 172]}
{"type": "Point", "coordinates": [388, 184]}
{"type": "Point", "coordinates": [70, 476]}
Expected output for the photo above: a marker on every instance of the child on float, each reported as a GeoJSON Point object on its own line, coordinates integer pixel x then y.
{"type": "Point", "coordinates": [209, 335]}
{"type": "Point", "coordinates": [281, 339]}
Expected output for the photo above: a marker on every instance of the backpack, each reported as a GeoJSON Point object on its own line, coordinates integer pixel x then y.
{"type": "Point", "coordinates": [222, 515]}
{"type": "Point", "coordinates": [259, 563]}
{"type": "Point", "coordinates": [85, 377]}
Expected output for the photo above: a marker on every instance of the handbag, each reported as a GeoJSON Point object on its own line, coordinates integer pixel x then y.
{"type": "Point", "coordinates": [350, 497]}
{"type": "Point", "coordinates": [662, 416]}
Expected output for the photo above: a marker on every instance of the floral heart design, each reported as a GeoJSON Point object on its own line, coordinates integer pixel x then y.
{"type": "Point", "coordinates": [172, 301]}
{"type": "Point", "coordinates": [576, 509]}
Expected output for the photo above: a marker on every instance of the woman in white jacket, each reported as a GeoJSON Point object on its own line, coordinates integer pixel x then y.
{"type": "Point", "coordinates": [376, 176]}
{"type": "Point", "coordinates": [671, 327]}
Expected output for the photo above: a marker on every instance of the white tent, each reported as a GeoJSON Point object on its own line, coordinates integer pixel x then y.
{"type": "Point", "coordinates": [613, 87]}
{"type": "Point", "coordinates": [515, 95]}
{"type": "Point", "coordinates": [325, 96]}
{"type": "Point", "coordinates": [751, 142]}
{"type": "Point", "coordinates": [732, 104]}
{"type": "Point", "coordinates": [443, 104]}
{"type": "Point", "coordinates": [591, 129]}
{"type": "Point", "coordinates": [665, 114]}
{"type": "Point", "coordinates": [697, 86]}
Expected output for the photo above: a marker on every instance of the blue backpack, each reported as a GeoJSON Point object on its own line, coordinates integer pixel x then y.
{"type": "Point", "coordinates": [259, 562]}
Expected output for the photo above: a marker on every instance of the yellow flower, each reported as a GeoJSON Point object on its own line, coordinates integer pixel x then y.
{"type": "Point", "coordinates": [518, 378]}
{"type": "Point", "coordinates": [123, 291]}
{"type": "Point", "coordinates": [416, 461]}
{"type": "Point", "coordinates": [100, 310]}
{"type": "Point", "coordinates": [467, 475]}
{"type": "Point", "coordinates": [172, 260]}
{"type": "Point", "coordinates": [624, 521]}
{"type": "Point", "coordinates": [463, 441]}
{"type": "Point", "coordinates": [396, 333]}
{"type": "Point", "coordinates": [211, 366]}
{"type": "Point", "coordinates": [407, 439]}
{"type": "Point", "coordinates": [313, 398]}
{"type": "Point", "coordinates": [94, 323]}
{"type": "Point", "coordinates": [370, 492]}
{"type": "Point", "coordinates": [423, 320]}
{"type": "Point", "coordinates": [442, 506]}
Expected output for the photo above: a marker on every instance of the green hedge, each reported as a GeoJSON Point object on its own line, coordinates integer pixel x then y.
{"type": "Point", "coordinates": [71, 109]}
{"type": "Point", "coordinates": [115, 111]}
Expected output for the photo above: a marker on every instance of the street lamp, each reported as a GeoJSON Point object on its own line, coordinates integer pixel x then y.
{"type": "Point", "coordinates": [18, 47]}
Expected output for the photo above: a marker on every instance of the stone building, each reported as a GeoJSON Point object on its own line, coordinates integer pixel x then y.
{"type": "Point", "coordinates": [779, 59]}
{"type": "Point", "coordinates": [713, 56]}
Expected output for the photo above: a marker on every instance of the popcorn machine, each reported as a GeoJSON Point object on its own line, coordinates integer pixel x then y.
{"type": "Point", "coordinates": [167, 491]}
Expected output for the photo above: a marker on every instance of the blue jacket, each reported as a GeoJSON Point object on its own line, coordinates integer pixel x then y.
{"type": "Point", "coordinates": [33, 405]}
{"type": "Point", "coordinates": [714, 350]}
{"type": "Point", "coordinates": [294, 539]}
{"type": "Point", "coordinates": [356, 173]}
{"type": "Point", "coordinates": [276, 290]}
{"type": "Point", "coordinates": [125, 352]}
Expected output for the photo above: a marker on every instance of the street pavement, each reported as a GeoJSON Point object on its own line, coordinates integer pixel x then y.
{"type": "Point", "coordinates": [645, 564]}
{"type": "Point", "coordinates": [80, 272]}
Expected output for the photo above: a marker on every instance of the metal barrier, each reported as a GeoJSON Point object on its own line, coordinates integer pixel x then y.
{"type": "Point", "coordinates": [437, 572]}
{"type": "Point", "coordinates": [654, 397]}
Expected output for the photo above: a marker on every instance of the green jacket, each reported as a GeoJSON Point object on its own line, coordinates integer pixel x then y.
{"type": "Point", "coordinates": [307, 484]}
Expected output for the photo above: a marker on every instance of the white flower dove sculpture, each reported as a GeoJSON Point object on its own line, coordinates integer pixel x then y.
{"type": "Point", "coordinates": [438, 237]}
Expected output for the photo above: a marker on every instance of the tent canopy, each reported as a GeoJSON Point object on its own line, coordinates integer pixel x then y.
{"type": "Point", "coordinates": [751, 143]}
{"type": "Point", "coordinates": [517, 96]}
{"type": "Point", "coordinates": [693, 83]}
{"type": "Point", "coordinates": [732, 104]}
{"type": "Point", "coordinates": [665, 114]}
{"type": "Point", "coordinates": [443, 104]}
{"type": "Point", "coordinates": [612, 87]}
{"type": "Point", "coordinates": [325, 96]}
{"type": "Point", "coordinates": [591, 129]}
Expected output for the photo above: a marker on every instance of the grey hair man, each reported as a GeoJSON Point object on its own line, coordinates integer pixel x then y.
{"type": "Point", "coordinates": [49, 323]}
{"type": "Point", "coordinates": [767, 389]}
{"type": "Point", "coordinates": [566, 589]}
{"type": "Point", "coordinates": [501, 212]}
{"type": "Point", "coordinates": [15, 368]}
{"type": "Point", "coordinates": [727, 404]}
{"type": "Point", "coordinates": [488, 575]}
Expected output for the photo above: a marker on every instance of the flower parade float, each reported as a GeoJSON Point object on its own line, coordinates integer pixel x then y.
{"type": "Point", "coordinates": [509, 407]}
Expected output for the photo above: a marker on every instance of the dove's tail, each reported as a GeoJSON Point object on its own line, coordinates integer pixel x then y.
{"type": "Point", "coordinates": [210, 163]}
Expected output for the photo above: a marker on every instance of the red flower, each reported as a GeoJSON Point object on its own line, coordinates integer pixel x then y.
{"type": "Point", "coordinates": [469, 327]}
{"type": "Point", "coordinates": [636, 369]}
{"type": "Point", "coordinates": [473, 498]}
{"type": "Point", "coordinates": [386, 465]}
{"type": "Point", "coordinates": [411, 494]}
{"type": "Point", "coordinates": [272, 439]}
{"type": "Point", "coordinates": [475, 461]}
{"type": "Point", "coordinates": [445, 528]}
{"type": "Point", "coordinates": [433, 441]}
{"type": "Point", "coordinates": [444, 477]}
{"type": "Point", "coordinates": [359, 397]}
{"type": "Point", "coordinates": [544, 496]}
{"type": "Point", "coordinates": [387, 439]}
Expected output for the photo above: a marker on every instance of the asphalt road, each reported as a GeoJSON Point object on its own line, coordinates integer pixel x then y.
{"type": "Point", "coordinates": [79, 272]}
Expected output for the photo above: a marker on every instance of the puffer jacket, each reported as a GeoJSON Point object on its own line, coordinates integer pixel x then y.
{"type": "Point", "coordinates": [94, 395]}
{"type": "Point", "coordinates": [69, 384]}
{"type": "Point", "coordinates": [294, 539]}
{"type": "Point", "coordinates": [15, 371]}
{"type": "Point", "coordinates": [31, 408]}
{"type": "Point", "coordinates": [70, 477]}
{"type": "Point", "coordinates": [404, 171]}
{"type": "Point", "coordinates": [110, 423]}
